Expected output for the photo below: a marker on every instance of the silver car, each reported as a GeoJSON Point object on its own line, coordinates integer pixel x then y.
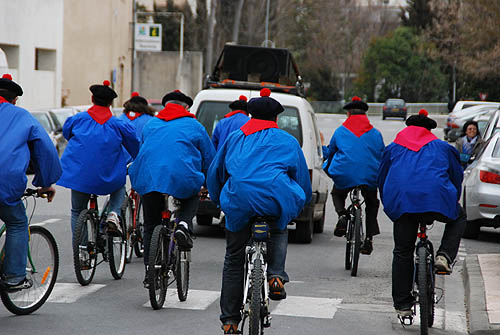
{"type": "Point", "coordinates": [481, 189]}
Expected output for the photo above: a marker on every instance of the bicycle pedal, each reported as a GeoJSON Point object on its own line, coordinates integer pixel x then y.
{"type": "Point", "coordinates": [405, 320]}
{"type": "Point", "coordinates": [443, 273]}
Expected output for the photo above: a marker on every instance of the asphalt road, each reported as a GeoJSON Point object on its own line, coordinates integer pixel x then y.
{"type": "Point", "coordinates": [322, 297]}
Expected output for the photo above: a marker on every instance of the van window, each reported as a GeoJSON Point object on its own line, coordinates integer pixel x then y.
{"type": "Point", "coordinates": [42, 118]}
{"type": "Point", "coordinates": [211, 112]}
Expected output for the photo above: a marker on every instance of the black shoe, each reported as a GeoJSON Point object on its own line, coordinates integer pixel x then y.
{"type": "Point", "coordinates": [145, 282]}
{"type": "Point", "coordinates": [341, 227]}
{"type": "Point", "coordinates": [183, 237]}
{"type": "Point", "coordinates": [366, 247]}
{"type": "Point", "coordinates": [230, 329]}
{"type": "Point", "coordinates": [22, 285]}
{"type": "Point", "coordinates": [276, 289]}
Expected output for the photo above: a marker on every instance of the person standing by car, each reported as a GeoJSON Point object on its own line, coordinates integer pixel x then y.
{"type": "Point", "coordinates": [231, 121]}
{"type": "Point", "coordinates": [22, 138]}
{"type": "Point", "coordinates": [174, 158]}
{"type": "Point", "coordinates": [260, 170]}
{"type": "Point", "coordinates": [420, 179]}
{"type": "Point", "coordinates": [94, 161]}
{"type": "Point", "coordinates": [353, 158]}
{"type": "Point", "coordinates": [470, 144]}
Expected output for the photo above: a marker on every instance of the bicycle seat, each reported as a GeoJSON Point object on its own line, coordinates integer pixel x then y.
{"type": "Point", "coordinates": [260, 227]}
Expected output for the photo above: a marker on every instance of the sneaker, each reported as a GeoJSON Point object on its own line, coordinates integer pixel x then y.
{"type": "Point", "coordinates": [341, 227]}
{"type": "Point", "coordinates": [113, 222]}
{"type": "Point", "coordinates": [366, 247]}
{"type": "Point", "coordinates": [441, 265]}
{"type": "Point", "coordinates": [404, 312]}
{"type": "Point", "coordinates": [276, 289]}
{"type": "Point", "coordinates": [21, 285]}
{"type": "Point", "coordinates": [183, 236]}
{"type": "Point", "coordinates": [231, 328]}
{"type": "Point", "coordinates": [145, 282]}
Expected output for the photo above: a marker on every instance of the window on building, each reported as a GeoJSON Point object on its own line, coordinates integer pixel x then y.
{"type": "Point", "coordinates": [12, 55]}
{"type": "Point", "coordinates": [45, 59]}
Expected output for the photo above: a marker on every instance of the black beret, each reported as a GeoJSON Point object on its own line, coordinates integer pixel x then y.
{"type": "Point", "coordinates": [356, 103]}
{"type": "Point", "coordinates": [421, 120]}
{"type": "Point", "coordinates": [240, 104]}
{"type": "Point", "coordinates": [177, 95]}
{"type": "Point", "coordinates": [6, 83]}
{"type": "Point", "coordinates": [137, 99]}
{"type": "Point", "coordinates": [103, 92]}
{"type": "Point", "coordinates": [264, 107]}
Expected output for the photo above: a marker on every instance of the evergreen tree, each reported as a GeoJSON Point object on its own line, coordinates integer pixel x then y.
{"type": "Point", "coordinates": [417, 14]}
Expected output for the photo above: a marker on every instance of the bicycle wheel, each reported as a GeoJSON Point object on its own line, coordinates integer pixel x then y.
{"type": "Point", "coordinates": [158, 267]}
{"type": "Point", "coordinates": [182, 273]}
{"type": "Point", "coordinates": [431, 295]}
{"type": "Point", "coordinates": [357, 242]}
{"type": "Point", "coordinates": [117, 249]}
{"type": "Point", "coordinates": [348, 242]}
{"type": "Point", "coordinates": [257, 275]}
{"type": "Point", "coordinates": [423, 288]}
{"type": "Point", "coordinates": [129, 223]}
{"type": "Point", "coordinates": [139, 230]}
{"type": "Point", "coordinates": [85, 248]}
{"type": "Point", "coordinates": [42, 268]}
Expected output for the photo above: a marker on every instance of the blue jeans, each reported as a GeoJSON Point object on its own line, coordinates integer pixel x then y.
{"type": "Point", "coordinates": [233, 273]}
{"type": "Point", "coordinates": [79, 201]}
{"type": "Point", "coordinates": [16, 242]}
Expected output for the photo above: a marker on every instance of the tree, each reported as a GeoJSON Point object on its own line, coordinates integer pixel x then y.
{"type": "Point", "coordinates": [417, 14]}
{"type": "Point", "coordinates": [397, 66]}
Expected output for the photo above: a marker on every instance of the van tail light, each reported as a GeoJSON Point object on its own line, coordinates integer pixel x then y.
{"type": "Point", "coordinates": [488, 206]}
{"type": "Point", "coordinates": [489, 177]}
{"type": "Point", "coordinates": [404, 109]}
{"type": "Point", "coordinates": [454, 125]}
{"type": "Point", "coordinates": [384, 108]}
{"type": "Point", "coordinates": [311, 174]}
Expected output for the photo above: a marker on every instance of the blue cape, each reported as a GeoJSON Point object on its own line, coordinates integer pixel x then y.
{"type": "Point", "coordinates": [226, 126]}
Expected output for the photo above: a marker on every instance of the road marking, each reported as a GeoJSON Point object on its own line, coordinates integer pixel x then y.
{"type": "Point", "coordinates": [70, 292]}
{"type": "Point", "coordinates": [196, 300]}
{"type": "Point", "coordinates": [43, 223]}
{"type": "Point", "coordinates": [368, 308]}
{"type": "Point", "coordinates": [320, 308]}
{"type": "Point", "coordinates": [456, 322]}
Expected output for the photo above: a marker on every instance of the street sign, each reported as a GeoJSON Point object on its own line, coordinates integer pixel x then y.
{"type": "Point", "coordinates": [483, 96]}
{"type": "Point", "coordinates": [148, 37]}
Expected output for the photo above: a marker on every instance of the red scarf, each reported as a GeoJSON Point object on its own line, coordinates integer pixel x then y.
{"type": "Point", "coordinates": [172, 112]}
{"type": "Point", "coordinates": [414, 138]}
{"type": "Point", "coordinates": [100, 114]}
{"type": "Point", "coordinates": [133, 117]}
{"type": "Point", "coordinates": [2, 100]}
{"type": "Point", "coordinates": [234, 112]}
{"type": "Point", "coordinates": [255, 125]}
{"type": "Point", "coordinates": [358, 124]}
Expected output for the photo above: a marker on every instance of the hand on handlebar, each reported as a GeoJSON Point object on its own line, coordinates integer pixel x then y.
{"type": "Point", "coordinates": [47, 192]}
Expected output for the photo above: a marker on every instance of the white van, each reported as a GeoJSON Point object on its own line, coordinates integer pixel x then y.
{"type": "Point", "coordinates": [298, 119]}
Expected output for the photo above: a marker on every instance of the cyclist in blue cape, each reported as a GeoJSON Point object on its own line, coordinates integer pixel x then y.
{"type": "Point", "coordinates": [260, 170]}
{"type": "Point", "coordinates": [353, 158]}
{"type": "Point", "coordinates": [94, 161]}
{"type": "Point", "coordinates": [22, 137]}
{"type": "Point", "coordinates": [174, 158]}
{"type": "Point", "coordinates": [420, 177]}
{"type": "Point", "coordinates": [232, 121]}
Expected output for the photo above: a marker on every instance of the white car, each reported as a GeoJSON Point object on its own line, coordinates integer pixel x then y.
{"type": "Point", "coordinates": [457, 120]}
{"type": "Point", "coordinates": [298, 119]}
{"type": "Point", "coordinates": [457, 113]}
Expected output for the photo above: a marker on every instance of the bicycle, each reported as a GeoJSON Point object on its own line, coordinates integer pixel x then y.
{"type": "Point", "coordinates": [424, 280]}
{"type": "Point", "coordinates": [255, 305]}
{"type": "Point", "coordinates": [90, 239]}
{"type": "Point", "coordinates": [354, 232]}
{"type": "Point", "coordinates": [41, 268]}
{"type": "Point", "coordinates": [135, 225]}
{"type": "Point", "coordinates": [167, 262]}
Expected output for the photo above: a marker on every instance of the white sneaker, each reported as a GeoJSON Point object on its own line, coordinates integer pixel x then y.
{"type": "Point", "coordinates": [113, 222]}
{"type": "Point", "coordinates": [442, 266]}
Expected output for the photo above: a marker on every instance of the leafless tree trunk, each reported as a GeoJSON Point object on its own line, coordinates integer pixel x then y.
{"type": "Point", "coordinates": [237, 18]}
{"type": "Point", "coordinates": [210, 36]}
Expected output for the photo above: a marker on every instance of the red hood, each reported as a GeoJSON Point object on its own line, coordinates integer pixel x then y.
{"type": "Point", "coordinates": [100, 114]}
{"type": "Point", "coordinates": [414, 138]}
{"type": "Point", "coordinates": [358, 124]}
{"type": "Point", "coordinates": [255, 125]}
{"type": "Point", "coordinates": [235, 112]}
{"type": "Point", "coordinates": [2, 100]}
{"type": "Point", "coordinates": [172, 112]}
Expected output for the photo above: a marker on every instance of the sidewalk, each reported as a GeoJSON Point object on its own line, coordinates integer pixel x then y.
{"type": "Point", "coordinates": [482, 293]}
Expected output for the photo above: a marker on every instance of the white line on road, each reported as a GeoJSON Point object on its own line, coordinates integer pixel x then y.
{"type": "Point", "coordinates": [71, 292]}
{"type": "Point", "coordinates": [320, 308]}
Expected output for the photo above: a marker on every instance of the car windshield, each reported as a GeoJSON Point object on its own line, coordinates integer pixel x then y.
{"type": "Point", "coordinates": [211, 112]}
{"type": "Point", "coordinates": [496, 149]}
{"type": "Point", "coordinates": [42, 118]}
{"type": "Point", "coordinates": [395, 103]}
{"type": "Point", "coordinates": [61, 116]}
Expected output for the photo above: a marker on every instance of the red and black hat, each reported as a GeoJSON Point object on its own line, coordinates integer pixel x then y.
{"type": "Point", "coordinates": [240, 104]}
{"type": "Point", "coordinates": [8, 84]}
{"type": "Point", "coordinates": [178, 96]}
{"type": "Point", "coordinates": [421, 120]}
{"type": "Point", "coordinates": [137, 99]}
{"type": "Point", "coordinates": [356, 103]}
{"type": "Point", "coordinates": [103, 92]}
{"type": "Point", "coordinates": [264, 107]}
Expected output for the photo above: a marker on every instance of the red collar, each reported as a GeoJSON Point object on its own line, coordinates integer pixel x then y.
{"type": "Point", "coordinates": [358, 124]}
{"type": "Point", "coordinates": [414, 138]}
{"type": "Point", "coordinates": [133, 115]}
{"type": "Point", "coordinates": [172, 112]}
{"type": "Point", "coordinates": [2, 100]}
{"type": "Point", "coordinates": [100, 114]}
{"type": "Point", "coordinates": [235, 112]}
{"type": "Point", "coordinates": [255, 125]}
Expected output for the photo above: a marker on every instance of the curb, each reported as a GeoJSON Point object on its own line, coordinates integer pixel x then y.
{"type": "Point", "coordinates": [475, 299]}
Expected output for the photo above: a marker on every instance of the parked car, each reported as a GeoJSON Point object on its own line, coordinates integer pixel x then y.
{"type": "Point", "coordinates": [457, 120]}
{"type": "Point", "coordinates": [482, 122]}
{"type": "Point", "coordinates": [456, 110]}
{"type": "Point", "coordinates": [493, 125]}
{"type": "Point", "coordinates": [61, 114]}
{"type": "Point", "coordinates": [394, 108]}
{"type": "Point", "coordinates": [211, 104]}
{"type": "Point", "coordinates": [53, 128]}
{"type": "Point", "coordinates": [481, 189]}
